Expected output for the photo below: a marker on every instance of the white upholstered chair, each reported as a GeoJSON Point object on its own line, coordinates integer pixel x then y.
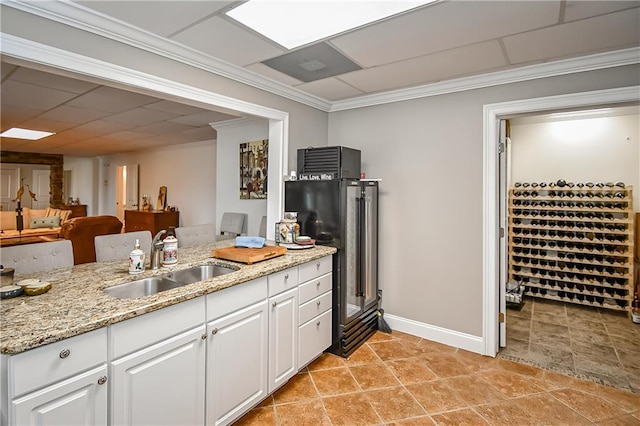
{"type": "Point", "coordinates": [30, 258]}
{"type": "Point", "coordinates": [231, 225]}
{"type": "Point", "coordinates": [196, 235]}
{"type": "Point", "coordinates": [118, 246]}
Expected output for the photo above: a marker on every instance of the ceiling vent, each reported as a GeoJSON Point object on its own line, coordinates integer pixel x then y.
{"type": "Point", "coordinates": [313, 63]}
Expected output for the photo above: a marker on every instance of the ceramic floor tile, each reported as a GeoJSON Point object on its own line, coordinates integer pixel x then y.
{"type": "Point", "coordinates": [306, 413]}
{"type": "Point", "coordinates": [629, 358]}
{"type": "Point", "coordinates": [588, 324]}
{"type": "Point", "coordinates": [379, 336]}
{"type": "Point", "coordinates": [474, 390]}
{"type": "Point", "coordinates": [552, 356]}
{"type": "Point", "coordinates": [411, 370]}
{"type": "Point", "coordinates": [521, 369]}
{"type": "Point", "coordinates": [430, 346]}
{"type": "Point", "coordinates": [461, 417]}
{"type": "Point", "coordinates": [629, 402]}
{"type": "Point", "coordinates": [555, 329]}
{"type": "Point", "coordinates": [264, 416]}
{"type": "Point", "coordinates": [542, 305]}
{"type": "Point", "coordinates": [436, 396]}
{"type": "Point", "coordinates": [552, 318]}
{"type": "Point", "coordinates": [299, 387]}
{"type": "Point", "coordinates": [373, 376]}
{"type": "Point", "coordinates": [550, 411]}
{"type": "Point", "coordinates": [406, 337]}
{"type": "Point", "coordinates": [516, 348]}
{"type": "Point", "coordinates": [510, 384]}
{"type": "Point", "coordinates": [518, 332]}
{"type": "Point", "coordinates": [626, 420]}
{"type": "Point", "coordinates": [445, 365]}
{"type": "Point", "coordinates": [590, 406]}
{"type": "Point", "coordinates": [548, 338]}
{"type": "Point", "coordinates": [392, 349]}
{"type": "Point", "coordinates": [627, 343]}
{"type": "Point", "coordinates": [334, 381]}
{"type": "Point", "coordinates": [476, 362]}
{"type": "Point", "coordinates": [325, 361]}
{"type": "Point", "coordinates": [394, 404]}
{"type": "Point", "coordinates": [589, 336]}
{"type": "Point", "coordinates": [614, 377]}
{"type": "Point", "coordinates": [505, 413]}
{"type": "Point", "coordinates": [363, 355]}
{"type": "Point", "coordinates": [415, 421]}
{"type": "Point", "coordinates": [519, 322]}
{"type": "Point", "coordinates": [350, 410]}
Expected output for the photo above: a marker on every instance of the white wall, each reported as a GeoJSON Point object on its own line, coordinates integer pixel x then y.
{"type": "Point", "coordinates": [84, 181]}
{"type": "Point", "coordinates": [604, 149]}
{"type": "Point", "coordinates": [428, 153]}
{"type": "Point", "coordinates": [188, 171]}
{"type": "Point", "coordinates": [230, 136]}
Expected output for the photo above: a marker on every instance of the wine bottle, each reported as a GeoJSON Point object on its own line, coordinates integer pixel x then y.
{"type": "Point", "coordinates": [635, 311]}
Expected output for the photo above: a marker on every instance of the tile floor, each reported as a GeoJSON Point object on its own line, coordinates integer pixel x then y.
{"type": "Point", "coordinates": [587, 342]}
{"type": "Point", "coordinates": [399, 379]}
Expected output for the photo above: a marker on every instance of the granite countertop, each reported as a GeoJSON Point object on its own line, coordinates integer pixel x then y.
{"type": "Point", "coordinates": [76, 303]}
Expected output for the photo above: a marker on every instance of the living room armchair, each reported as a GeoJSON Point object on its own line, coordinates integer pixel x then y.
{"type": "Point", "coordinates": [82, 231]}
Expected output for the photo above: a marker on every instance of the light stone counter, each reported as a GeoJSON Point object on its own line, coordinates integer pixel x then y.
{"type": "Point", "coordinates": [76, 303]}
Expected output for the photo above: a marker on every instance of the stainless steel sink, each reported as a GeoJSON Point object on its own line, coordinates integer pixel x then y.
{"type": "Point", "coordinates": [153, 285]}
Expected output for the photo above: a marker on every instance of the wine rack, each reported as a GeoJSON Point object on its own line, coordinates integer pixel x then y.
{"type": "Point", "coordinates": [573, 243]}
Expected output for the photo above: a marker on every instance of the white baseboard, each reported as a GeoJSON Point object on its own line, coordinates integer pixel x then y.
{"type": "Point", "coordinates": [437, 334]}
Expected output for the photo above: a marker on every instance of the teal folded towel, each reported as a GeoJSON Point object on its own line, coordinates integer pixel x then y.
{"type": "Point", "coordinates": [251, 242]}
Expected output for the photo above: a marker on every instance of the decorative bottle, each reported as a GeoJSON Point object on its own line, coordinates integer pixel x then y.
{"type": "Point", "coordinates": [635, 310]}
{"type": "Point", "coordinates": [136, 259]}
{"type": "Point", "coordinates": [170, 250]}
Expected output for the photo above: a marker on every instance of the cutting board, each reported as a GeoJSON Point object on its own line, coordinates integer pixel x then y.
{"type": "Point", "coordinates": [248, 255]}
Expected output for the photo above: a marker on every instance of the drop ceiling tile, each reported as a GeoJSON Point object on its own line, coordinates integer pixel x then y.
{"type": "Point", "coordinates": [128, 135]}
{"type": "Point", "coordinates": [103, 127]}
{"type": "Point", "coordinates": [453, 63]}
{"type": "Point", "coordinates": [266, 71]}
{"type": "Point", "coordinates": [443, 26]}
{"type": "Point", "coordinates": [173, 107]}
{"type": "Point", "coordinates": [616, 30]}
{"type": "Point", "coordinates": [203, 118]}
{"type": "Point", "coordinates": [580, 9]}
{"type": "Point", "coordinates": [141, 116]}
{"type": "Point", "coordinates": [159, 17]}
{"type": "Point", "coordinates": [200, 134]}
{"type": "Point", "coordinates": [164, 127]}
{"type": "Point", "coordinates": [6, 69]}
{"type": "Point", "coordinates": [72, 114]}
{"type": "Point", "coordinates": [228, 42]}
{"type": "Point", "coordinates": [43, 124]}
{"type": "Point", "coordinates": [52, 81]}
{"type": "Point", "coordinates": [14, 116]}
{"type": "Point", "coordinates": [15, 93]}
{"type": "Point", "coordinates": [332, 89]}
{"type": "Point", "coordinates": [111, 100]}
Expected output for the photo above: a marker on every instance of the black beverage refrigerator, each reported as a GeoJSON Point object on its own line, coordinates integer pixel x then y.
{"type": "Point", "coordinates": [343, 213]}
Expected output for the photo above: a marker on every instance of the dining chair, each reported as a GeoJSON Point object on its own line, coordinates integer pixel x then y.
{"type": "Point", "coordinates": [196, 235]}
{"type": "Point", "coordinates": [118, 246]}
{"type": "Point", "coordinates": [231, 225]}
{"type": "Point", "coordinates": [30, 258]}
{"type": "Point", "coordinates": [262, 230]}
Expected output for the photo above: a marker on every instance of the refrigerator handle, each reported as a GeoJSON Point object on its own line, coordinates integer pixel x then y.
{"type": "Point", "coordinates": [361, 245]}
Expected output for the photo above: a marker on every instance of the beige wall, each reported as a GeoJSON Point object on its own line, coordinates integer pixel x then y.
{"type": "Point", "coordinates": [428, 153]}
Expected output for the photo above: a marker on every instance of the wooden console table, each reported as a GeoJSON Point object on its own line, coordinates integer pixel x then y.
{"type": "Point", "coordinates": [77, 210]}
{"type": "Point", "coordinates": [153, 221]}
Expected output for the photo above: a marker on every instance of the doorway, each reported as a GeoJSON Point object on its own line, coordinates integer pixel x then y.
{"type": "Point", "coordinates": [550, 330]}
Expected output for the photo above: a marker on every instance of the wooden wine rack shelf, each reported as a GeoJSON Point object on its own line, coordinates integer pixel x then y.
{"type": "Point", "coordinates": [573, 244]}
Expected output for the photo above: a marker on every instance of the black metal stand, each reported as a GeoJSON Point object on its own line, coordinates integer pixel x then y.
{"type": "Point", "coordinates": [19, 219]}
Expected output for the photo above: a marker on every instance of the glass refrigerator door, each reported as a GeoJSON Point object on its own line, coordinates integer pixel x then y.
{"type": "Point", "coordinates": [352, 271]}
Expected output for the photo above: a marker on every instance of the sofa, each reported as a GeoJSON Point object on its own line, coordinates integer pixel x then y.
{"type": "Point", "coordinates": [82, 232]}
{"type": "Point", "coordinates": [36, 222]}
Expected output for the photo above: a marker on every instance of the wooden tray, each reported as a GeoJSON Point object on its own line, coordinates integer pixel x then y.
{"type": "Point", "coordinates": [248, 255]}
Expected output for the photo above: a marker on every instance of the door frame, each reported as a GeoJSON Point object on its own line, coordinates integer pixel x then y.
{"type": "Point", "coordinates": [490, 178]}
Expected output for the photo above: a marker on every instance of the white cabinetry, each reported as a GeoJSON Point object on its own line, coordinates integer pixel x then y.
{"type": "Point", "coordinates": [61, 383]}
{"type": "Point", "coordinates": [158, 373]}
{"type": "Point", "coordinates": [283, 327]}
{"type": "Point", "coordinates": [237, 350]}
{"type": "Point", "coordinates": [315, 310]}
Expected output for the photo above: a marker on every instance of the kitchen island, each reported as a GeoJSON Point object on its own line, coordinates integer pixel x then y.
{"type": "Point", "coordinates": [252, 329]}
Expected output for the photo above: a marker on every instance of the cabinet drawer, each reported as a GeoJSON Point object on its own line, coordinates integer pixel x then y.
{"type": "Point", "coordinates": [314, 288]}
{"type": "Point", "coordinates": [315, 268]}
{"type": "Point", "coordinates": [137, 333]}
{"type": "Point", "coordinates": [314, 337]}
{"type": "Point", "coordinates": [47, 364]}
{"type": "Point", "coordinates": [315, 307]}
{"type": "Point", "coordinates": [282, 281]}
{"type": "Point", "coordinates": [231, 299]}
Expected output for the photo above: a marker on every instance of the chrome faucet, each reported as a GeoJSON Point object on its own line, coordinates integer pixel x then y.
{"type": "Point", "coordinates": [156, 250]}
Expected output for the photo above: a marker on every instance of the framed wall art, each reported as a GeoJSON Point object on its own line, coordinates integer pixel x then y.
{"type": "Point", "coordinates": [253, 169]}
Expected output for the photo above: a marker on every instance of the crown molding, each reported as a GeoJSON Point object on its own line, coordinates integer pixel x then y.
{"type": "Point", "coordinates": [236, 122]}
{"type": "Point", "coordinates": [86, 19]}
{"type": "Point", "coordinates": [598, 61]}
{"type": "Point", "coordinates": [78, 16]}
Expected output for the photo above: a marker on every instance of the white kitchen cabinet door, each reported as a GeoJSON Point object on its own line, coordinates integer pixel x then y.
{"type": "Point", "coordinates": [283, 338]}
{"type": "Point", "coordinates": [236, 363]}
{"type": "Point", "coordinates": [314, 338]}
{"type": "Point", "coordinates": [79, 400]}
{"type": "Point", "coordinates": [162, 384]}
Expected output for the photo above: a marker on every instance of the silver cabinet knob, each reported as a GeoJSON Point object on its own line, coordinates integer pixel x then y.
{"type": "Point", "coordinates": [274, 304]}
{"type": "Point", "coordinates": [204, 337]}
{"type": "Point", "coordinates": [102, 380]}
{"type": "Point", "coordinates": [318, 265]}
{"type": "Point", "coordinates": [318, 324]}
{"type": "Point", "coordinates": [286, 276]}
{"type": "Point", "coordinates": [65, 353]}
{"type": "Point", "coordinates": [214, 331]}
{"type": "Point", "coordinates": [318, 284]}
{"type": "Point", "coordinates": [318, 303]}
